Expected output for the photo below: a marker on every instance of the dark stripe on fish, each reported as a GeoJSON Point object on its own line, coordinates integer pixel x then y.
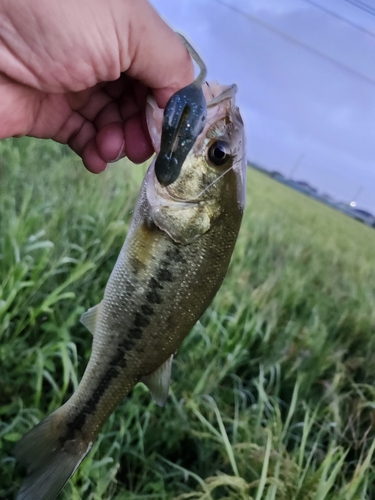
{"type": "Point", "coordinates": [174, 254]}
{"type": "Point", "coordinates": [141, 320]}
{"type": "Point", "coordinates": [153, 297]}
{"type": "Point", "coordinates": [146, 309]}
{"type": "Point", "coordinates": [118, 362]}
{"type": "Point", "coordinates": [164, 275]}
{"type": "Point", "coordinates": [90, 406]}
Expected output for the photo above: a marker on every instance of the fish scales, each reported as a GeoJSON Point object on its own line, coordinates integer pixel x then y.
{"type": "Point", "coordinates": [148, 307]}
{"type": "Point", "coordinates": [172, 263]}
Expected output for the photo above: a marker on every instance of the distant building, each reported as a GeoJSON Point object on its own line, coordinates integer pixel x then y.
{"type": "Point", "coordinates": [306, 188]}
{"type": "Point", "coordinates": [357, 213]}
{"type": "Point", "coordinates": [364, 216]}
{"type": "Point", "coordinates": [328, 197]}
{"type": "Point", "coordinates": [278, 176]}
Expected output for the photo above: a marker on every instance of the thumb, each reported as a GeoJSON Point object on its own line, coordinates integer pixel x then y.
{"type": "Point", "coordinates": [158, 58]}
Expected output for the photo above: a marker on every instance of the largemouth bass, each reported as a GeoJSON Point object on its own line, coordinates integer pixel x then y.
{"type": "Point", "coordinates": [172, 263]}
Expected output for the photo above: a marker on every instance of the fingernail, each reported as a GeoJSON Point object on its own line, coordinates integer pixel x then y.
{"type": "Point", "coordinates": [121, 154]}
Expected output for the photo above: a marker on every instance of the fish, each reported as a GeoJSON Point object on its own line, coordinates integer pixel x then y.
{"type": "Point", "coordinates": [173, 261]}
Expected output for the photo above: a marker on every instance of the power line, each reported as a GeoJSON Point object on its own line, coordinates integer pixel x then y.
{"type": "Point", "coordinates": [337, 16]}
{"type": "Point", "coordinates": [298, 42]}
{"type": "Point", "coordinates": [361, 5]}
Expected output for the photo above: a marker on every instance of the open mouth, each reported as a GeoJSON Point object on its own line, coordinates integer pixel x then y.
{"type": "Point", "coordinates": [228, 93]}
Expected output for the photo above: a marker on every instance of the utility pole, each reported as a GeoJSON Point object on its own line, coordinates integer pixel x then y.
{"type": "Point", "coordinates": [353, 202]}
{"type": "Point", "coordinates": [297, 163]}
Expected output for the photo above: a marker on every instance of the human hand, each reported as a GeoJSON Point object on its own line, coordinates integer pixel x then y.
{"type": "Point", "coordinates": [79, 71]}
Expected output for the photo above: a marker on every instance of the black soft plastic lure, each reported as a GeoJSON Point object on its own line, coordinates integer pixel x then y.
{"type": "Point", "coordinates": [184, 119]}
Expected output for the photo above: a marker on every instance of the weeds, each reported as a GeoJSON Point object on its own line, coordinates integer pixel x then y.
{"type": "Point", "coordinates": [273, 393]}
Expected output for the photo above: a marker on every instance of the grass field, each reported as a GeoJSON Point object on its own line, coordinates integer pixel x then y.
{"type": "Point", "coordinates": [273, 392]}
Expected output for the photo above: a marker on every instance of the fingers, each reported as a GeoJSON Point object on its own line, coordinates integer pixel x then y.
{"type": "Point", "coordinates": [115, 141]}
{"type": "Point", "coordinates": [96, 103]}
{"type": "Point", "coordinates": [80, 135]}
{"type": "Point", "coordinates": [105, 120]}
{"type": "Point", "coordinates": [100, 124]}
{"type": "Point", "coordinates": [118, 87]}
{"type": "Point", "coordinates": [110, 142]}
{"type": "Point", "coordinates": [138, 143]}
{"type": "Point", "coordinates": [158, 57]}
{"type": "Point", "coordinates": [112, 127]}
{"type": "Point", "coordinates": [91, 158]}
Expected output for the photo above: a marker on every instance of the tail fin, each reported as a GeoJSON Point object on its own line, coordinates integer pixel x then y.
{"type": "Point", "coordinates": [50, 461]}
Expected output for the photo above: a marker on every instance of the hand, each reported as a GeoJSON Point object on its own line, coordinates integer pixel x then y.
{"type": "Point", "coordinates": [78, 72]}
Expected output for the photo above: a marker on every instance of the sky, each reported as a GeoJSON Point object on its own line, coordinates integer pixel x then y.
{"type": "Point", "coordinates": [306, 81]}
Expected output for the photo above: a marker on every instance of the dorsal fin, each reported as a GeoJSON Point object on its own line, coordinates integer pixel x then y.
{"type": "Point", "coordinates": [159, 382]}
{"type": "Point", "coordinates": [89, 318]}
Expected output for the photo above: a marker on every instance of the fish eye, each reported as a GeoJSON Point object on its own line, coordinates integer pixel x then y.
{"type": "Point", "coordinates": [218, 153]}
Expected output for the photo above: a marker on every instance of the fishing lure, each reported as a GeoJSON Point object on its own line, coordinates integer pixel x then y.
{"type": "Point", "coordinates": [184, 119]}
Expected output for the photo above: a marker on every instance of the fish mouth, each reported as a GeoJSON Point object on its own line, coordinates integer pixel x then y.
{"type": "Point", "coordinates": [159, 196]}
{"type": "Point", "coordinates": [227, 93]}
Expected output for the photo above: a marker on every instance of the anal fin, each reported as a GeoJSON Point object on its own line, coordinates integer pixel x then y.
{"type": "Point", "coordinates": [89, 318]}
{"type": "Point", "coordinates": [159, 382]}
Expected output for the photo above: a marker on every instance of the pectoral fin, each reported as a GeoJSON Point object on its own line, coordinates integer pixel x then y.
{"type": "Point", "coordinates": [159, 382]}
{"type": "Point", "coordinates": [90, 317]}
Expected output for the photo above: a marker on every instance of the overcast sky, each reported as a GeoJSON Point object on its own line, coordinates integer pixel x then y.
{"type": "Point", "coordinates": [306, 83]}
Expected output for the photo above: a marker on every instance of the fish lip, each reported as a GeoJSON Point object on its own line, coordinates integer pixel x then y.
{"type": "Point", "coordinates": [155, 197]}
{"type": "Point", "coordinates": [227, 93]}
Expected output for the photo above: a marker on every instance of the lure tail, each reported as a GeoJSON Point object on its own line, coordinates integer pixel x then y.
{"type": "Point", "coordinates": [49, 459]}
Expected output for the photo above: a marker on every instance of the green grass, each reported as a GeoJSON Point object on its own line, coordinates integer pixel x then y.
{"type": "Point", "coordinates": [273, 391]}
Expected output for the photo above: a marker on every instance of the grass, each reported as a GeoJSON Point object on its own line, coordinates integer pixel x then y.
{"type": "Point", "coordinates": [273, 395]}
